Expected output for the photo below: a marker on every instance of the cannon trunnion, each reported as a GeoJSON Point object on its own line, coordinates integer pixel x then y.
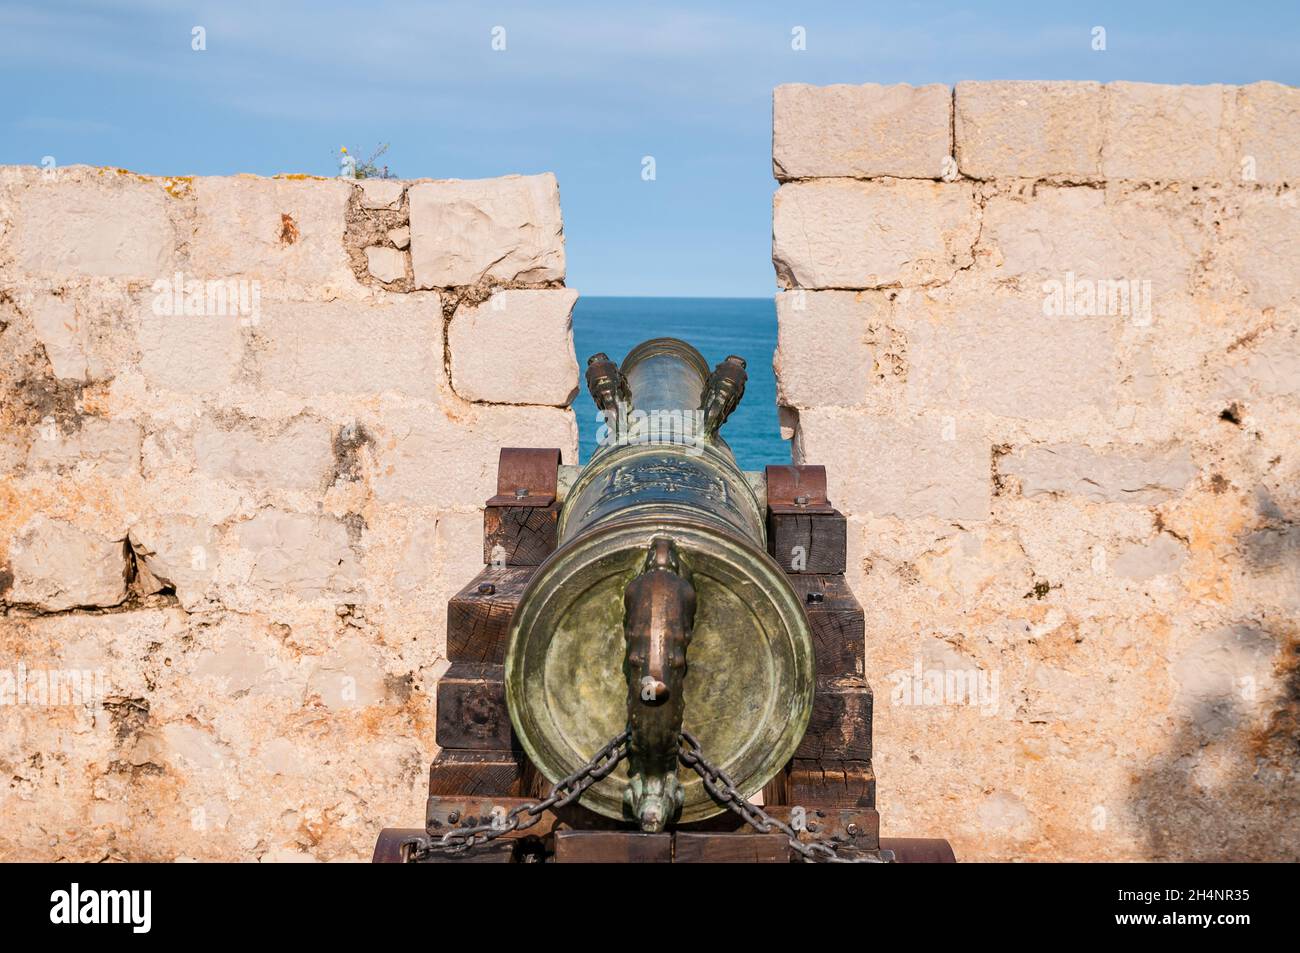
{"type": "Point", "coordinates": [656, 597]}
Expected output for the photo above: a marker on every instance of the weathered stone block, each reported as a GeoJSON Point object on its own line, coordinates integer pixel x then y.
{"type": "Point", "coordinates": [273, 229]}
{"type": "Point", "coordinates": [846, 234]}
{"type": "Point", "coordinates": [300, 555]}
{"type": "Point", "coordinates": [350, 676]}
{"type": "Point", "coordinates": [1000, 354]}
{"type": "Point", "coordinates": [177, 551]}
{"type": "Point", "coordinates": [95, 223]}
{"type": "Point", "coordinates": [1272, 369]}
{"type": "Point", "coordinates": [860, 131]}
{"type": "Point", "coordinates": [903, 468]}
{"type": "Point", "coordinates": [1122, 475]}
{"type": "Point", "coordinates": [1259, 252]}
{"type": "Point", "coordinates": [54, 318]}
{"type": "Point", "coordinates": [381, 193]}
{"type": "Point", "coordinates": [1168, 133]}
{"type": "Point", "coordinates": [392, 344]}
{"type": "Point", "coordinates": [1084, 236]}
{"type": "Point", "coordinates": [1212, 670]}
{"type": "Point", "coordinates": [57, 566]}
{"type": "Point", "coordinates": [437, 462]}
{"type": "Point", "coordinates": [297, 455]}
{"type": "Point", "coordinates": [189, 354]}
{"type": "Point", "coordinates": [386, 264]}
{"type": "Point", "coordinates": [1029, 129]}
{"type": "Point", "coordinates": [509, 229]}
{"type": "Point", "coordinates": [110, 447]}
{"type": "Point", "coordinates": [823, 355]}
{"type": "Point", "coordinates": [1268, 134]}
{"type": "Point", "coordinates": [1156, 557]}
{"type": "Point", "coordinates": [515, 348]}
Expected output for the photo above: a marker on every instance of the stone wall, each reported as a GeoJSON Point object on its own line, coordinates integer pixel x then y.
{"type": "Point", "coordinates": [246, 429]}
{"type": "Point", "coordinates": [1046, 338]}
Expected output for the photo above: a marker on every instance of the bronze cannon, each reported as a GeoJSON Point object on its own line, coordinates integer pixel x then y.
{"type": "Point", "coordinates": [662, 660]}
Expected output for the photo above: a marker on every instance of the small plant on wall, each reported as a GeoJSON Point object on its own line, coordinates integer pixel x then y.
{"type": "Point", "coordinates": [350, 167]}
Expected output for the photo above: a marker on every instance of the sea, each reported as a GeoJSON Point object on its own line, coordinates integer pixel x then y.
{"type": "Point", "coordinates": [717, 327]}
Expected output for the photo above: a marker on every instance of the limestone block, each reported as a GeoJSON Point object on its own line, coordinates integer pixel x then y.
{"type": "Point", "coordinates": [400, 237]}
{"type": "Point", "coordinates": [391, 344]}
{"type": "Point", "coordinates": [300, 555]}
{"type": "Point", "coordinates": [904, 468]}
{"type": "Point", "coordinates": [846, 234]}
{"type": "Point", "coordinates": [57, 565]}
{"type": "Point", "coordinates": [189, 354]}
{"type": "Point", "coordinates": [1268, 134]}
{"type": "Point", "coordinates": [507, 228]}
{"type": "Point", "coordinates": [350, 676]}
{"type": "Point", "coordinates": [1084, 235]}
{"type": "Point", "coordinates": [1120, 475]}
{"type": "Point", "coordinates": [1168, 133]}
{"type": "Point", "coordinates": [436, 556]}
{"type": "Point", "coordinates": [296, 456]}
{"type": "Point", "coordinates": [110, 447]}
{"type": "Point", "coordinates": [271, 229]}
{"type": "Point", "coordinates": [1029, 129]}
{"type": "Point", "coordinates": [1259, 252]}
{"type": "Point", "coordinates": [178, 551]}
{"type": "Point", "coordinates": [381, 193]}
{"type": "Point", "coordinates": [1146, 560]}
{"type": "Point", "coordinates": [515, 348]}
{"type": "Point", "coordinates": [823, 355]}
{"type": "Point", "coordinates": [85, 222]}
{"type": "Point", "coordinates": [55, 320]}
{"type": "Point", "coordinates": [236, 662]}
{"type": "Point", "coordinates": [434, 461]}
{"type": "Point", "coordinates": [386, 264]}
{"type": "Point", "coordinates": [1210, 672]}
{"type": "Point", "coordinates": [1271, 369]}
{"type": "Point", "coordinates": [999, 353]}
{"type": "Point", "coordinates": [860, 131]}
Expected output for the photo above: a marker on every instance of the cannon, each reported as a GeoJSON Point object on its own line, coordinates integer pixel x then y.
{"type": "Point", "coordinates": [661, 660]}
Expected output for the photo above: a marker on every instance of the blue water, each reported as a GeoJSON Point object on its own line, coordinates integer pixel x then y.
{"type": "Point", "coordinates": [717, 327]}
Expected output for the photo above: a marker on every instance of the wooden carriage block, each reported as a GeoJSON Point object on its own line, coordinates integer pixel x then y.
{"type": "Point", "coordinates": [612, 847]}
{"type": "Point", "coordinates": [830, 783]}
{"type": "Point", "coordinates": [519, 535]}
{"type": "Point", "coordinates": [472, 709]}
{"type": "Point", "coordinates": [520, 521]}
{"type": "Point", "coordinates": [444, 813]}
{"type": "Point", "coordinates": [808, 542]}
{"type": "Point", "coordinates": [467, 774]}
{"type": "Point", "coordinates": [478, 617]}
{"type": "Point", "coordinates": [804, 532]}
{"type": "Point", "coordinates": [838, 629]}
{"type": "Point", "coordinates": [840, 726]}
{"type": "Point", "coordinates": [389, 850]}
{"type": "Point", "coordinates": [496, 852]}
{"type": "Point", "coordinates": [729, 848]}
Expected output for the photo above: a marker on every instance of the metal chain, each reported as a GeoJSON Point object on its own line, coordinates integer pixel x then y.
{"type": "Point", "coordinates": [725, 792]}
{"type": "Point", "coordinates": [459, 840]}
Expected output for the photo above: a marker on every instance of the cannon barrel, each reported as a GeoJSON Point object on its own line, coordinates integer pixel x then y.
{"type": "Point", "coordinates": [660, 608]}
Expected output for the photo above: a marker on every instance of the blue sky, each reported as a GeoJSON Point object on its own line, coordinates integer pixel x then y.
{"type": "Point", "coordinates": [582, 89]}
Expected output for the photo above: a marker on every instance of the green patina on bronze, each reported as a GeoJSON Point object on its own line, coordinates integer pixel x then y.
{"type": "Point", "coordinates": [748, 680]}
